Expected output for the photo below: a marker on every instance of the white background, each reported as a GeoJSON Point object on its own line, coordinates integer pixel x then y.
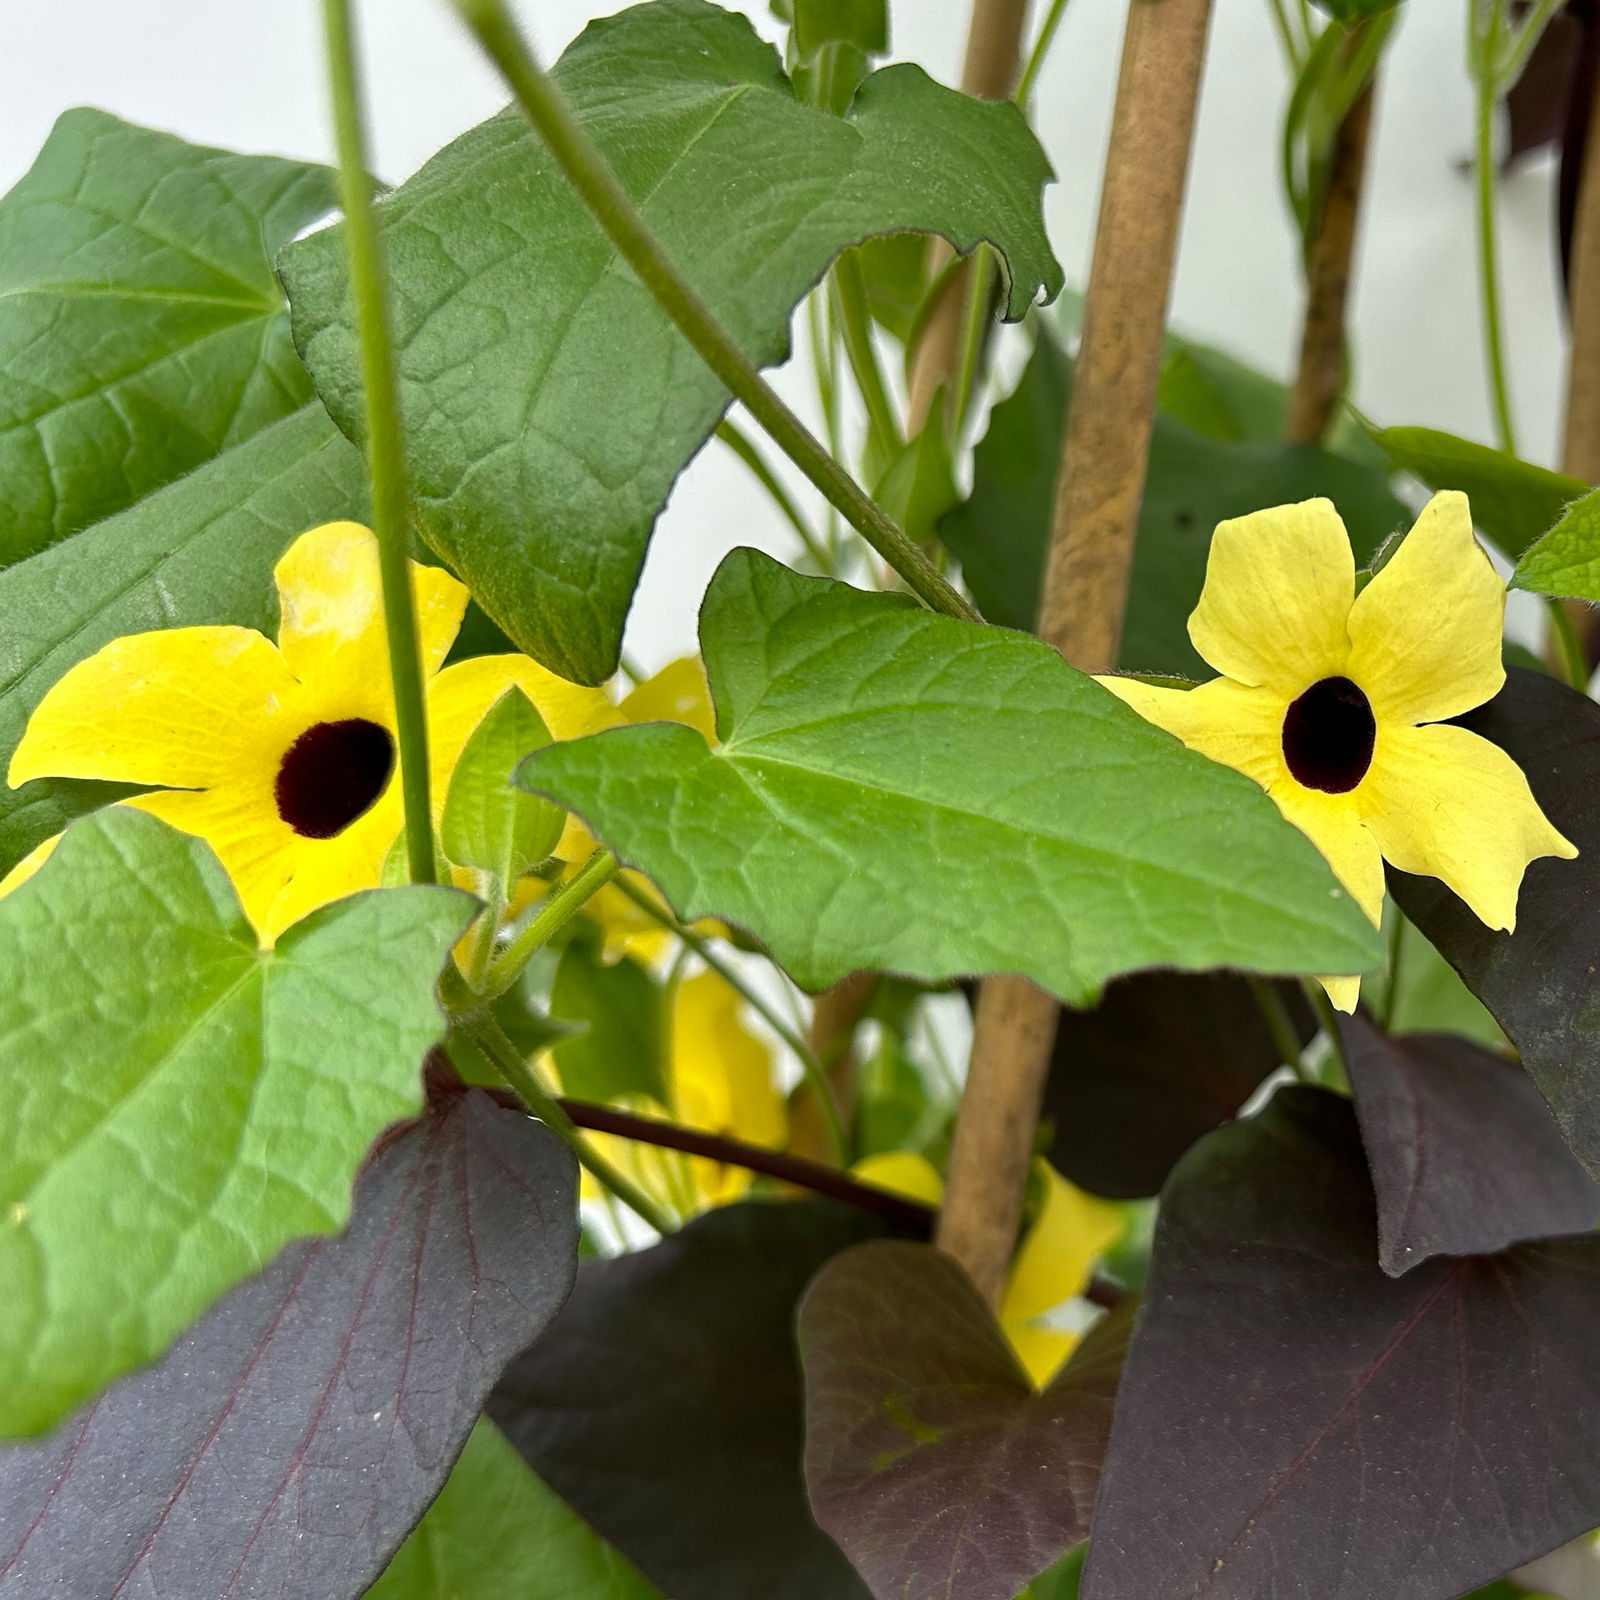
{"type": "Point", "coordinates": [248, 75]}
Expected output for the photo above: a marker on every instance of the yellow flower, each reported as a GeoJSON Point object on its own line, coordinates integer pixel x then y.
{"type": "Point", "coordinates": [1070, 1231]}
{"type": "Point", "coordinates": [282, 756]}
{"type": "Point", "coordinates": [1333, 702]}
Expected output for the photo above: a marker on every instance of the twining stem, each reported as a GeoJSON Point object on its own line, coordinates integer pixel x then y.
{"type": "Point", "coordinates": [597, 186]}
{"type": "Point", "coordinates": [1320, 376]}
{"type": "Point", "coordinates": [1285, 1040]}
{"type": "Point", "coordinates": [746, 451]}
{"type": "Point", "coordinates": [1568, 647]}
{"type": "Point", "coordinates": [1485, 54]}
{"type": "Point", "coordinates": [1329, 1019]}
{"type": "Point", "coordinates": [385, 458]}
{"type": "Point", "coordinates": [780, 1164]}
{"type": "Point", "coordinates": [1104, 454]}
{"type": "Point", "coordinates": [855, 322]}
{"type": "Point", "coordinates": [815, 1073]}
{"type": "Point", "coordinates": [489, 1039]}
{"type": "Point", "coordinates": [1041, 50]}
{"type": "Point", "coordinates": [560, 906]}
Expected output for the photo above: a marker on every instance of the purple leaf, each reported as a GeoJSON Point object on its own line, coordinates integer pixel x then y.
{"type": "Point", "coordinates": [932, 1460]}
{"type": "Point", "coordinates": [1465, 1156]}
{"type": "Point", "coordinates": [289, 1442]}
{"type": "Point", "coordinates": [1292, 1422]}
{"type": "Point", "coordinates": [1539, 982]}
{"type": "Point", "coordinates": [1161, 1061]}
{"type": "Point", "coordinates": [664, 1404]}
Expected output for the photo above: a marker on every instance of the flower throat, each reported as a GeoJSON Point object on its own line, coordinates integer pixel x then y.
{"type": "Point", "coordinates": [1328, 736]}
{"type": "Point", "coordinates": [332, 774]}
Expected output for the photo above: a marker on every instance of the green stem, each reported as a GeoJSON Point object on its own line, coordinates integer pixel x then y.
{"type": "Point", "coordinates": [764, 475]}
{"type": "Point", "coordinates": [1568, 645]}
{"type": "Point", "coordinates": [588, 172]}
{"type": "Point", "coordinates": [559, 907]}
{"type": "Point", "coordinates": [489, 1039]}
{"type": "Point", "coordinates": [1391, 998]}
{"type": "Point", "coordinates": [1329, 1018]}
{"type": "Point", "coordinates": [1041, 49]}
{"type": "Point", "coordinates": [850, 293]}
{"type": "Point", "coordinates": [825, 362]}
{"type": "Point", "coordinates": [1279, 1023]}
{"type": "Point", "coordinates": [815, 1073]}
{"type": "Point", "coordinates": [1483, 58]}
{"type": "Point", "coordinates": [481, 950]}
{"type": "Point", "coordinates": [385, 458]}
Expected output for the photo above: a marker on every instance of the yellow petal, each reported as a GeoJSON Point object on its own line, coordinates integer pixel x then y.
{"type": "Point", "coordinates": [28, 865]}
{"type": "Point", "coordinates": [460, 697]}
{"type": "Point", "coordinates": [1070, 1233]}
{"type": "Point", "coordinates": [1238, 726]}
{"type": "Point", "coordinates": [721, 1080]}
{"type": "Point", "coordinates": [902, 1172]}
{"type": "Point", "coordinates": [184, 707]}
{"type": "Point", "coordinates": [677, 693]}
{"type": "Point", "coordinates": [1278, 589]}
{"type": "Point", "coordinates": [1445, 803]}
{"type": "Point", "coordinates": [331, 630]}
{"type": "Point", "coordinates": [1333, 823]}
{"type": "Point", "coordinates": [1425, 633]}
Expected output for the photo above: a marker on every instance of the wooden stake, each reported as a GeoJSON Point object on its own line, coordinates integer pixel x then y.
{"type": "Point", "coordinates": [1320, 378]}
{"type": "Point", "coordinates": [1104, 454]}
{"type": "Point", "coordinates": [1580, 444]}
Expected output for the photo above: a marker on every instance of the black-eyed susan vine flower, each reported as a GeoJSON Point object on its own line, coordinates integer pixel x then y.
{"type": "Point", "coordinates": [1335, 702]}
{"type": "Point", "coordinates": [282, 756]}
{"type": "Point", "coordinates": [1068, 1233]}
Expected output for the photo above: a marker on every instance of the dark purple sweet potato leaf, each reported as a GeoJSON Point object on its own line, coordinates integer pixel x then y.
{"type": "Point", "coordinates": [1465, 1155]}
{"type": "Point", "coordinates": [1539, 982]}
{"type": "Point", "coordinates": [1293, 1422]}
{"type": "Point", "coordinates": [664, 1404]}
{"type": "Point", "coordinates": [1161, 1061]}
{"type": "Point", "coordinates": [290, 1441]}
{"type": "Point", "coordinates": [932, 1460]}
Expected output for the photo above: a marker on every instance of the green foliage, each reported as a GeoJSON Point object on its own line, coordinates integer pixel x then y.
{"type": "Point", "coordinates": [1513, 501]}
{"type": "Point", "coordinates": [1223, 460]}
{"type": "Point", "coordinates": [199, 551]}
{"type": "Point", "coordinates": [488, 823]}
{"type": "Point", "coordinates": [852, 817]}
{"type": "Point", "coordinates": [175, 1111]}
{"type": "Point", "coordinates": [1566, 560]}
{"type": "Point", "coordinates": [618, 1046]}
{"type": "Point", "coordinates": [142, 331]}
{"type": "Point", "coordinates": [550, 405]}
{"type": "Point", "coordinates": [497, 1530]}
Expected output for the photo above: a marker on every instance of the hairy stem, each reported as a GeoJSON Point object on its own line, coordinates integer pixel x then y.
{"type": "Point", "coordinates": [385, 458]}
{"type": "Point", "coordinates": [560, 906]}
{"type": "Point", "coordinates": [1104, 454]}
{"type": "Point", "coordinates": [596, 184]}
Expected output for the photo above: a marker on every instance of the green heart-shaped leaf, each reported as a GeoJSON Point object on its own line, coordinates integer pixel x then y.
{"type": "Point", "coordinates": [900, 791]}
{"type": "Point", "coordinates": [180, 1103]}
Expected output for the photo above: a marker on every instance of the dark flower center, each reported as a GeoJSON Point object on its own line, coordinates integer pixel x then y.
{"type": "Point", "coordinates": [331, 774]}
{"type": "Point", "coordinates": [1327, 736]}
